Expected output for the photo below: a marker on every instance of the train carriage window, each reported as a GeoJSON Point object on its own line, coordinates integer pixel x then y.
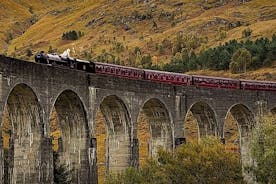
{"type": "Point", "coordinates": [158, 76]}
{"type": "Point", "coordinates": [130, 73]}
{"type": "Point", "coordinates": [107, 69]}
{"type": "Point", "coordinates": [99, 68]}
{"type": "Point", "coordinates": [84, 67]}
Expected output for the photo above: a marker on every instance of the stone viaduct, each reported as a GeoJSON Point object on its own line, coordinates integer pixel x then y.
{"type": "Point", "coordinates": [29, 92]}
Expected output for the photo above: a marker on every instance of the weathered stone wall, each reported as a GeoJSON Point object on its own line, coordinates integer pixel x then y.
{"type": "Point", "coordinates": [30, 111]}
{"type": "Point", "coordinates": [77, 96]}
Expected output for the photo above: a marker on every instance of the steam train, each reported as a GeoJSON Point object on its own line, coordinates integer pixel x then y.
{"type": "Point", "coordinates": [151, 75]}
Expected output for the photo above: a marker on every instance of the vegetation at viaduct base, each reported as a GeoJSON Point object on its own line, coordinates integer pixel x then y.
{"type": "Point", "coordinates": [209, 161]}
{"type": "Point", "coordinates": [263, 149]}
{"type": "Point", "coordinates": [204, 162]}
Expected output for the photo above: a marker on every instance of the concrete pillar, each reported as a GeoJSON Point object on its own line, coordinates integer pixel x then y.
{"type": "Point", "coordinates": [135, 153]}
{"type": "Point", "coordinates": [74, 142]}
{"type": "Point", "coordinates": [92, 156]}
{"type": "Point", "coordinates": [47, 175]}
{"type": "Point", "coordinates": [1, 159]}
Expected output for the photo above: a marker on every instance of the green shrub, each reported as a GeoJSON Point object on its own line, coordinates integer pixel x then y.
{"type": "Point", "coordinates": [201, 163]}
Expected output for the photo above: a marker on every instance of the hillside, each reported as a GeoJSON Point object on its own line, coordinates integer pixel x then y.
{"type": "Point", "coordinates": [128, 30]}
{"type": "Point", "coordinates": [118, 27]}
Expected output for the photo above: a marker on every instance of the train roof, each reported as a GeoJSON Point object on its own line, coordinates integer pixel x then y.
{"type": "Point", "coordinates": [83, 61]}
{"type": "Point", "coordinates": [210, 77]}
{"type": "Point", "coordinates": [119, 66]}
{"type": "Point", "coordinates": [158, 71]}
{"type": "Point", "coordinates": [257, 81]}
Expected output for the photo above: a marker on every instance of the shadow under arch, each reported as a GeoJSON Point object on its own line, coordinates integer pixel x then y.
{"type": "Point", "coordinates": [70, 135]}
{"type": "Point", "coordinates": [117, 125]}
{"type": "Point", "coordinates": [204, 116]}
{"type": "Point", "coordinates": [154, 129]}
{"type": "Point", "coordinates": [245, 120]}
{"type": "Point", "coordinates": [22, 132]}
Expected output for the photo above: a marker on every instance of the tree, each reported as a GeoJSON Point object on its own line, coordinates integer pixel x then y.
{"type": "Point", "coordinates": [61, 172]}
{"type": "Point", "coordinates": [29, 52]}
{"type": "Point", "coordinates": [9, 37]}
{"type": "Point", "coordinates": [241, 60]}
{"type": "Point", "coordinates": [247, 33]}
{"type": "Point", "coordinates": [201, 163]}
{"type": "Point", "coordinates": [71, 35]}
{"type": "Point", "coordinates": [51, 50]}
{"type": "Point", "coordinates": [146, 61]}
{"type": "Point", "coordinates": [263, 149]}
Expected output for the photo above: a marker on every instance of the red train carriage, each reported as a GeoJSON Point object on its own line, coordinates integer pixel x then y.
{"type": "Point", "coordinates": [258, 85]}
{"type": "Point", "coordinates": [167, 77]}
{"type": "Point", "coordinates": [119, 71]}
{"type": "Point", "coordinates": [215, 82]}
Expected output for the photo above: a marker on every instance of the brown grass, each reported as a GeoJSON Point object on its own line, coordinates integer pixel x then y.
{"type": "Point", "coordinates": [56, 17]}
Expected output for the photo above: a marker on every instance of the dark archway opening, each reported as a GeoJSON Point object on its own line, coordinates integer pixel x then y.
{"type": "Point", "coordinates": [70, 138]}
{"type": "Point", "coordinates": [231, 133]}
{"type": "Point", "coordinates": [200, 121]}
{"type": "Point", "coordinates": [154, 129]}
{"type": "Point", "coordinates": [244, 119]}
{"type": "Point", "coordinates": [112, 131]}
{"type": "Point", "coordinates": [22, 134]}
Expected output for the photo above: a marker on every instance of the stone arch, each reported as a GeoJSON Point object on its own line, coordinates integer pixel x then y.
{"type": "Point", "coordinates": [22, 132]}
{"type": "Point", "coordinates": [245, 120]}
{"type": "Point", "coordinates": [118, 133]}
{"type": "Point", "coordinates": [205, 117]}
{"type": "Point", "coordinates": [70, 134]}
{"type": "Point", "coordinates": [159, 128]}
{"type": "Point", "coordinates": [244, 117]}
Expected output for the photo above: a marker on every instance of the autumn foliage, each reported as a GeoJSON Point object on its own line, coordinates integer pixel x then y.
{"type": "Point", "coordinates": [204, 162]}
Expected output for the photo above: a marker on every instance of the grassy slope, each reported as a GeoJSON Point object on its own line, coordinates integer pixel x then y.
{"type": "Point", "coordinates": [260, 74]}
{"type": "Point", "coordinates": [110, 17]}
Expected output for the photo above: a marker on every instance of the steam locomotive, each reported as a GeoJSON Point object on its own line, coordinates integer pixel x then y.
{"type": "Point", "coordinates": [151, 75]}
